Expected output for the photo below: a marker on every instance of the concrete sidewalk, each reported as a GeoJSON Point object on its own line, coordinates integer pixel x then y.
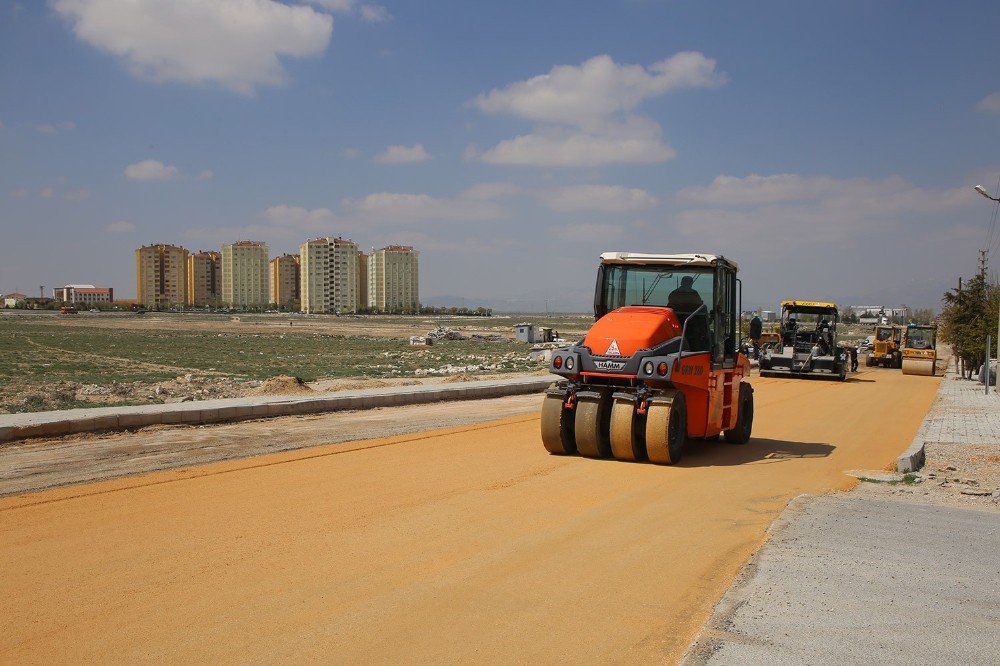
{"type": "Point", "coordinates": [891, 573]}
{"type": "Point", "coordinates": [851, 579]}
{"type": "Point", "coordinates": [66, 422]}
{"type": "Point", "coordinates": [961, 413]}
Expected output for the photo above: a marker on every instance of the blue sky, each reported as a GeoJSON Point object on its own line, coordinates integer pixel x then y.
{"type": "Point", "coordinates": [830, 148]}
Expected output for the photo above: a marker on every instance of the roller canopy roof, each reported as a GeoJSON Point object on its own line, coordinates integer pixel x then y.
{"type": "Point", "coordinates": [810, 307]}
{"type": "Point", "coordinates": [665, 259]}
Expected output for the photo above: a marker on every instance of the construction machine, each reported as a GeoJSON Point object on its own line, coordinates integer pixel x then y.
{"type": "Point", "coordinates": [886, 350]}
{"type": "Point", "coordinates": [808, 346]}
{"type": "Point", "coordinates": [920, 350]}
{"type": "Point", "coordinates": [661, 364]}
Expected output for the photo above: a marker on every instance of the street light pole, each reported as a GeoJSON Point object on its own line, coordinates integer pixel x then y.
{"type": "Point", "coordinates": [982, 191]}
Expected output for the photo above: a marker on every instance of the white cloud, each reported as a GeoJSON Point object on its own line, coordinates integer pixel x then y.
{"type": "Point", "coordinates": [46, 192]}
{"type": "Point", "coordinates": [375, 13]}
{"type": "Point", "coordinates": [808, 210]}
{"type": "Point", "coordinates": [370, 13]}
{"type": "Point", "coordinates": [403, 154]}
{"type": "Point", "coordinates": [990, 103]}
{"type": "Point", "coordinates": [403, 208]}
{"type": "Point", "coordinates": [19, 194]}
{"type": "Point", "coordinates": [490, 191]}
{"type": "Point", "coordinates": [206, 174]}
{"type": "Point", "coordinates": [311, 220]}
{"type": "Point", "coordinates": [891, 194]}
{"type": "Point", "coordinates": [54, 128]}
{"type": "Point", "coordinates": [599, 88]}
{"type": "Point", "coordinates": [350, 153]}
{"type": "Point", "coordinates": [150, 170]}
{"type": "Point", "coordinates": [586, 112]}
{"type": "Point", "coordinates": [605, 198]}
{"type": "Point", "coordinates": [235, 44]}
{"type": "Point", "coordinates": [634, 142]}
{"type": "Point", "coordinates": [339, 6]}
{"type": "Point", "coordinates": [120, 227]}
{"type": "Point", "coordinates": [593, 233]}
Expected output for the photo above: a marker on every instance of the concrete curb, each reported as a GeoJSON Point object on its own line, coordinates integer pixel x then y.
{"type": "Point", "coordinates": [70, 421]}
{"type": "Point", "coordinates": [913, 458]}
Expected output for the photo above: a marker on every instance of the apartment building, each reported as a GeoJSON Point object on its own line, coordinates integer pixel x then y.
{"type": "Point", "coordinates": [160, 273]}
{"type": "Point", "coordinates": [362, 280]}
{"type": "Point", "coordinates": [204, 279]}
{"type": "Point", "coordinates": [285, 280]}
{"type": "Point", "coordinates": [329, 275]}
{"type": "Point", "coordinates": [393, 279]}
{"type": "Point", "coordinates": [83, 294]}
{"type": "Point", "coordinates": [245, 274]}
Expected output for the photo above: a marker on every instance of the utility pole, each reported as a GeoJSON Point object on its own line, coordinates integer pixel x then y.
{"type": "Point", "coordinates": [959, 363]}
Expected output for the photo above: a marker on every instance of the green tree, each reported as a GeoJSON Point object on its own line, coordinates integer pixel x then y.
{"type": "Point", "coordinates": [968, 317]}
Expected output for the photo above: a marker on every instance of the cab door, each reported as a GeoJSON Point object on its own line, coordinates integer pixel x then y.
{"type": "Point", "coordinates": [723, 385]}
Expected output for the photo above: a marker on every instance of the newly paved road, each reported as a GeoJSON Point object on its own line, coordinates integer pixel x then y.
{"type": "Point", "coordinates": [470, 544]}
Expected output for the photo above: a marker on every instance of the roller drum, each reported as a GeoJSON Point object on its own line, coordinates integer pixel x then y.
{"type": "Point", "coordinates": [918, 366]}
{"type": "Point", "coordinates": [628, 429]}
{"type": "Point", "coordinates": [666, 428]}
{"type": "Point", "coordinates": [557, 425]}
{"type": "Point", "coordinates": [592, 423]}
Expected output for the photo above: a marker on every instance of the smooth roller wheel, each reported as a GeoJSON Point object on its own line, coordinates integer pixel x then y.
{"type": "Point", "coordinates": [744, 417]}
{"type": "Point", "coordinates": [628, 430]}
{"type": "Point", "coordinates": [592, 424]}
{"type": "Point", "coordinates": [666, 429]}
{"type": "Point", "coordinates": [921, 366]}
{"type": "Point", "coordinates": [557, 426]}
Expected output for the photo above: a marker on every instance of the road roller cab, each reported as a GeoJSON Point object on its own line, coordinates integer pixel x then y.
{"type": "Point", "coordinates": [660, 365]}
{"type": "Point", "coordinates": [920, 350]}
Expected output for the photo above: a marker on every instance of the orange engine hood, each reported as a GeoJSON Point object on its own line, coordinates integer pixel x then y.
{"type": "Point", "coordinates": [631, 328]}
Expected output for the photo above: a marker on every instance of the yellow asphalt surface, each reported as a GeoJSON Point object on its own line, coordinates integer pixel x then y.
{"type": "Point", "coordinates": [470, 544]}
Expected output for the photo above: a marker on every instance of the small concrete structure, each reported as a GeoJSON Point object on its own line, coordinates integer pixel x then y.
{"type": "Point", "coordinates": [533, 334]}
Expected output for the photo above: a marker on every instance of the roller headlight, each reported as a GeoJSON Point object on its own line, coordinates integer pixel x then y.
{"type": "Point", "coordinates": [647, 367]}
{"type": "Point", "coordinates": [570, 363]}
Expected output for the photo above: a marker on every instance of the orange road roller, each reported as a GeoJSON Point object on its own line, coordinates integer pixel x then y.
{"type": "Point", "coordinates": [660, 366]}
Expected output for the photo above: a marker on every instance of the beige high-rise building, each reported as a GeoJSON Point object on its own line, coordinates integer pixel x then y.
{"type": "Point", "coordinates": [245, 274]}
{"type": "Point", "coordinates": [285, 280]}
{"type": "Point", "coordinates": [362, 280]}
{"type": "Point", "coordinates": [329, 275]}
{"type": "Point", "coordinates": [394, 279]}
{"type": "Point", "coordinates": [161, 276]}
{"type": "Point", "coordinates": [204, 279]}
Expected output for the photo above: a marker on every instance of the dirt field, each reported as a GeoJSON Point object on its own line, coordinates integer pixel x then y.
{"type": "Point", "coordinates": [51, 361]}
{"type": "Point", "coordinates": [468, 544]}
